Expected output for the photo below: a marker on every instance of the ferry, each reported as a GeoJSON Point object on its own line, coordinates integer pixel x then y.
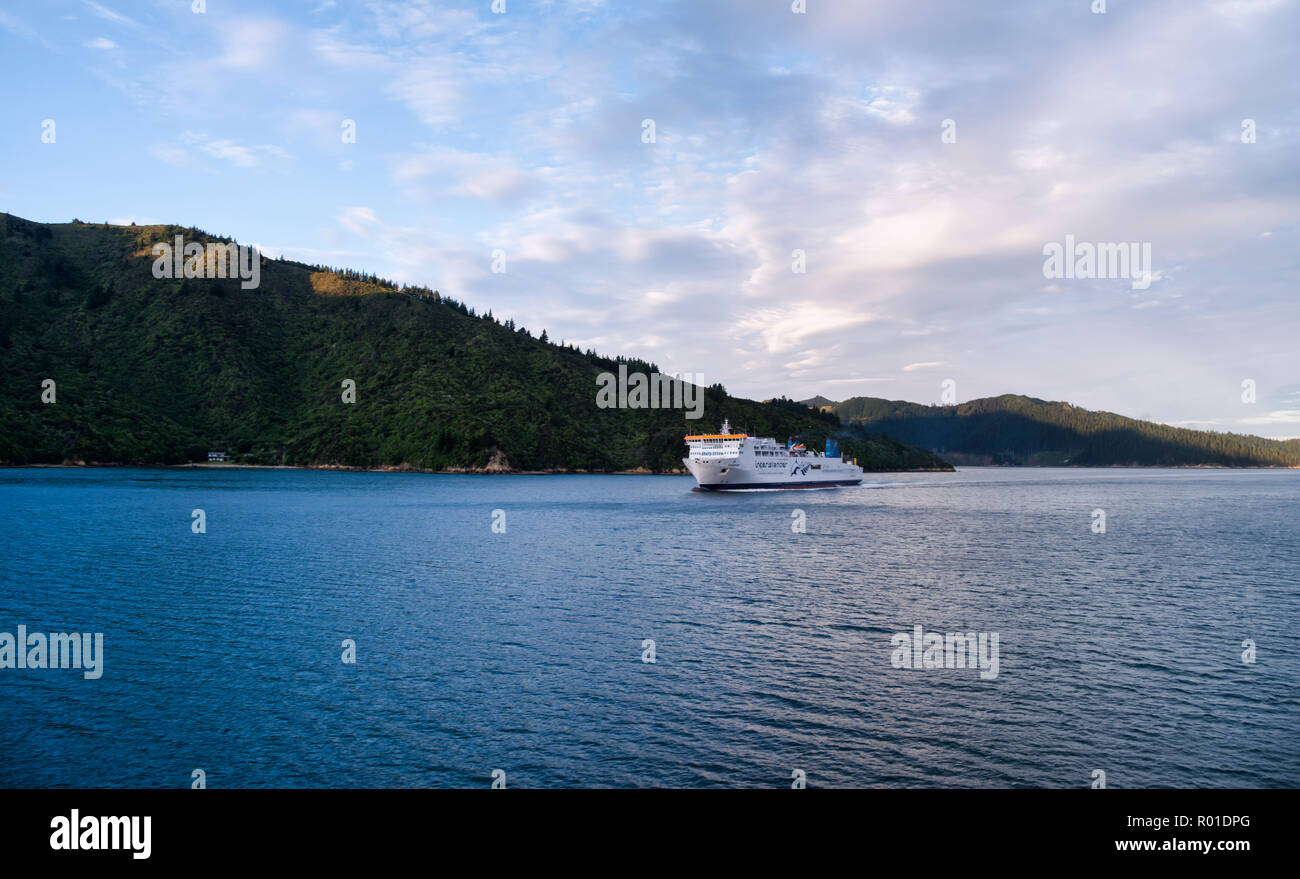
{"type": "Point", "coordinates": [728, 461]}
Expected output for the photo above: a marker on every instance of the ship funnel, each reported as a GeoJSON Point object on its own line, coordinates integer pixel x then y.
{"type": "Point", "coordinates": [832, 448]}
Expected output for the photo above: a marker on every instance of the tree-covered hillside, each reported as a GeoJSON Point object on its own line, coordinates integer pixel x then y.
{"type": "Point", "coordinates": [163, 371]}
{"type": "Point", "coordinates": [1013, 429]}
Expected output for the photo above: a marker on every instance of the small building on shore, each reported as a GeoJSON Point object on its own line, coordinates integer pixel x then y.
{"type": "Point", "coordinates": [216, 457]}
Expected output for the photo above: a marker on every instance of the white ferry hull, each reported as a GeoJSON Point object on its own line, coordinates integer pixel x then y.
{"type": "Point", "coordinates": [715, 477]}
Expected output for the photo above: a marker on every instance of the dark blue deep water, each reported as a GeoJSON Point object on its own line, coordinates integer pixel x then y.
{"type": "Point", "coordinates": [522, 651]}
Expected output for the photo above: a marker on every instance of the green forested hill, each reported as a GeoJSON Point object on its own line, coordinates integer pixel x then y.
{"type": "Point", "coordinates": [818, 402]}
{"type": "Point", "coordinates": [1013, 429]}
{"type": "Point", "coordinates": [162, 371]}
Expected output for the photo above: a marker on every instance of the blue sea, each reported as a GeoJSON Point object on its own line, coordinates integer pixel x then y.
{"type": "Point", "coordinates": [1162, 651]}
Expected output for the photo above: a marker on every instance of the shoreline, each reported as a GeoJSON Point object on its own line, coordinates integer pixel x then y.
{"type": "Point", "coordinates": [454, 471]}
{"type": "Point", "coordinates": [499, 471]}
{"type": "Point", "coordinates": [459, 471]}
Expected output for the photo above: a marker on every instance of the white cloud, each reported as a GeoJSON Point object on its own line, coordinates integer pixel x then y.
{"type": "Point", "coordinates": [238, 154]}
{"type": "Point", "coordinates": [108, 14]}
{"type": "Point", "coordinates": [893, 103]}
{"type": "Point", "coordinates": [360, 220]}
{"type": "Point", "coordinates": [173, 155]}
{"type": "Point", "coordinates": [1280, 416]}
{"type": "Point", "coordinates": [430, 90]}
{"type": "Point", "coordinates": [449, 172]}
{"type": "Point", "coordinates": [252, 45]}
{"type": "Point", "coordinates": [785, 327]}
{"type": "Point", "coordinates": [218, 148]}
{"type": "Point", "coordinates": [20, 28]}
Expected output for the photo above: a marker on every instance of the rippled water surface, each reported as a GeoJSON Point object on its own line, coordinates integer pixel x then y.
{"type": "Point", "coordinates": [522, 651]}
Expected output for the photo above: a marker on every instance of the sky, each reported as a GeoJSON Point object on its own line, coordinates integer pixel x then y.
{"type": "Point", "coordinates": [920, 156]}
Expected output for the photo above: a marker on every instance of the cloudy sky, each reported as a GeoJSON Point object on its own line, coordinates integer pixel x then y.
{"type": "Point", "coordinates": [774, 132]}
